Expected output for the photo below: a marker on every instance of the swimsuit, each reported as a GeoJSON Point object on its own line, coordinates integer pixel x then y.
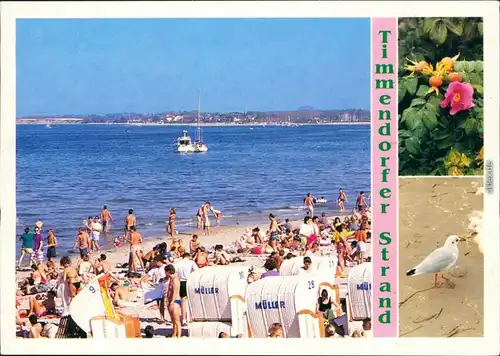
{"type": "Point", "coordinates": [83, 251]}
{"type": "Point", "coordinates": [274, 235]}
{"type": "Point", "coordinates": [202, 264]}
{"type": "Point", "coordinates": [178, 301]}
{"type": "Point", "coordinates": [51, 252]}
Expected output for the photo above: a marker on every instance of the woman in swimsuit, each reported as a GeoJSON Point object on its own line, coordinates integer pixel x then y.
{"type": "Point", "coordinates": [70, 277]}
{"type": "Point", "coordinates": [173, 300]}
{"type": "Point", "coordinates": [273, 233]}
{"type": "Point", "coordinates": [201, 258]}
{"type": "Point", "coordinates": [47, 306]}
{"type": "Point", "coordinates": [327, 306]}
{"type": "Point", "coordinates": [341, 199]}
{"type": "Point", "coordinates": [171, 222]}
{"type": "Point", "coordinates": [199, 217]}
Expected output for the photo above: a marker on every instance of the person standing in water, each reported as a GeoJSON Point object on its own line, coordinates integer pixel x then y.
{"type": "Point", "coordinates": [51, 246]}
{"type": "Point", "coordinates": [106, 218]}
{"type": "Point", "coordinates": [360, 202]}
{"type": "Point", "coordinates": [130, 221]}
{"type": "Point", "coordinates": [38, 248]}
{"type": "Point", "coordinates": [171, 223]}
{"type": "Point", "coordinates": [342, 198]}
{"type": "Point", "coordinates": [205, 220]}
{"type": "Point", "coordinates": [309, 204]}
{"type": "Point", "coordinates": [96, 234]}
{"type": "Point", "coordinates": [28, 240]}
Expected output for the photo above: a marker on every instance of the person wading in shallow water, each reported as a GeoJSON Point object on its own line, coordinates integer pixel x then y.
{"type": "Point", "coordinates": [341, 199]}
{"type": "Point", "coordinates": [130, 221]}
{"type": "Point", "coordinates": [360, 202]}
{"type": "Point", "coordinates": [171, 223]}
{"type": "Point", "coordinates": [309, 204]}
{"type": "Point", "coordinates": [106, 218]}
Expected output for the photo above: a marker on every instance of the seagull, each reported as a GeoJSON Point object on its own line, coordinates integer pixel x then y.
{"type": "Point", "coordinates": [439, 260]}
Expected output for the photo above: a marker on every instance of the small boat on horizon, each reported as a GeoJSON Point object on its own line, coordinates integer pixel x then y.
{"type": "Point", "coordinates": [184, 143]}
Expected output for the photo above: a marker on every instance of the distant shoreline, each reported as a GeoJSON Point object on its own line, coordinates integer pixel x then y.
{"type": "Point", "coordinates": [194, 124]}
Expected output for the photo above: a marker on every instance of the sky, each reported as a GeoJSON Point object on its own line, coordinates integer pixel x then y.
{"type": "Point", "coordinates": [99, 66]}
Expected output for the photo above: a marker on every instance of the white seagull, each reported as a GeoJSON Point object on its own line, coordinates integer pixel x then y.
{"type": "Point", "coordinates": [439, 260]}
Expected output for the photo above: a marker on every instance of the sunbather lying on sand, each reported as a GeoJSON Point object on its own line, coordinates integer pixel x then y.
{"type": "Point", "coordinates": [44, 306]}
{"type": "Point", "coordinates": [221, 256]}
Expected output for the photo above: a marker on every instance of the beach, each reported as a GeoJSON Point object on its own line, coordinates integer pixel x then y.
{"type": "Point", "coordinates": [149, 314]}
{"type": "Point", "coordinates": [430, 210]}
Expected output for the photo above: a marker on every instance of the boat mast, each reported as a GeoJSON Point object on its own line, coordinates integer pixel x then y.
{"type": "Point", "coordinates": [199, 127]}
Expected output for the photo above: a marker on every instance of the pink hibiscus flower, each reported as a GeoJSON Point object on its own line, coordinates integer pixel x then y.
{"type": "Point", "coordinates": [459, 97]}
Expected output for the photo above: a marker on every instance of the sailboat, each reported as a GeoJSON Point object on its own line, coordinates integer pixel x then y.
{"type": "Point", "coordinates": [48, 124]}
{"type": "Point", "coordinates": [184, 143]}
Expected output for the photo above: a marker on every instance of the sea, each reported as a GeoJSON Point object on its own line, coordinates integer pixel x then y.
{"type": "Point", "coordinates": [69, 172]}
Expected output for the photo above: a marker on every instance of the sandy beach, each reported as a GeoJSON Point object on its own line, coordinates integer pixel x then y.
{"type": "Point", "coordinates": [430, 210]}
{"type": "Point", "coordinates": [149, 313]}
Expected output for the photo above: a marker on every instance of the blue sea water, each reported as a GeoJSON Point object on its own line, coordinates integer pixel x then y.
{"type": "Point", "coordinates": [68, 172]}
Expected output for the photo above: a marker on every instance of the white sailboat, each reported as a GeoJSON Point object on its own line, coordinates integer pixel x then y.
{"type": "Point", "coordinates": [184, 143]}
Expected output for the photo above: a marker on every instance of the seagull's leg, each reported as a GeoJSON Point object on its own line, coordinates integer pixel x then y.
{"type": "Point", "coordinates": [435, 279]}
{"type": "Point", "coordinates": [443, 277]}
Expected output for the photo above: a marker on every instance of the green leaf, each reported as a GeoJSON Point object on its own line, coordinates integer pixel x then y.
{"type": "Point", "coordinates": [411, 85]}
{"type": "Point", "coordinates": [422, 90]}
{"type": "Point", "coordinates": [446, 143]}
{"type": "Point", "coordinates": [459, 66]}
{"type": "Point", "coordinates": [420, 130]}
{"type": "Point", "coordinates": [429, 24]}
{"type": "Point", "coordinates": [434, 101]}
{"type": "Point", "coordinates": [441, 135]}
{"type": "Point", "coordinates": [404, 133]}
{"type": "Point", "coordinates": [475, 79]}
{"type": "Point", "coordinates": [470, 126]}
{"type": "Point", "coordinates": [418, 102]}
{"type": "Point", "coordinates": [457, 28]}
{"type": "Point", "coordinates": [478, 66]}
{"type": "Point", "coordinates": [478, 88]}
{"type": "Point", "coordinates": [401, 92]}
{"type": "Point", "coordinates": [439, 33]}
{"type": "Point", "coordinates": [411, 117]}
{"type": "Point", "coordinates": [413, 146]}
{"type": "Point", "coordinates": [429, 119]}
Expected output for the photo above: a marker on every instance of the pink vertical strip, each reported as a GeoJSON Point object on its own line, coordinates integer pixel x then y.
{"type": "Point", "coordinates": [384, 115]}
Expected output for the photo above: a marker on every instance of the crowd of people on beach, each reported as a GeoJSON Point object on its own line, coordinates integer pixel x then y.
{"type": "Point", "coordinates": [170, 262]}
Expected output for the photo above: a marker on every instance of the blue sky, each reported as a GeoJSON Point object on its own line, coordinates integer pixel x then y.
{"type": "Point", "coordinates": [96, 66]}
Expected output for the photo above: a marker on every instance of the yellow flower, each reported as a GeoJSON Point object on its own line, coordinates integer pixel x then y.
{"type": "Point", "coordinates": [454, 171]}
{"type": "Point", "coordinates": [480, 156]}
{"type": "Point", "coordinates": [464, 161]}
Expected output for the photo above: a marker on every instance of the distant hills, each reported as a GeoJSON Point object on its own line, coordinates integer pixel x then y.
{"type": "Point", "coordinates": [305, 114]}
